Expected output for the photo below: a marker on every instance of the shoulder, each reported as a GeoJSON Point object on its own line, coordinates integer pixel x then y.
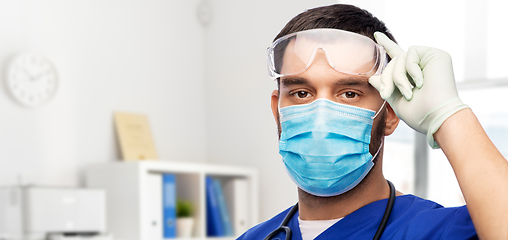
{"type": "Point", "coordinates": [426, 219]}
{"type": "Point", "coordinates": [261, 230]}
{"type": "Point", "coordinates": [412, 206]}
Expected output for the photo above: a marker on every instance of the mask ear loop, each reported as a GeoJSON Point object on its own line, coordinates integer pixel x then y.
{"type": "Point", "coordinates": [382, 141]}
{"type": "Point", "coordinates": [382, 106]}
{"type": "Point", "coordinates": [378, 150]}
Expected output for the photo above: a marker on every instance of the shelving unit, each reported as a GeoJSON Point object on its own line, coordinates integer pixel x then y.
{"type": "Point", "coordinates": [127, 186]}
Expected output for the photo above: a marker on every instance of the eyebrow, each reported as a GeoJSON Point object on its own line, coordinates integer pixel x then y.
{"type": "Point", "coordinates": [349, 81]}
{"type": "Point", "coordinates": [352, 81]}
{"type": "Point", "coordinates": [293, 80]}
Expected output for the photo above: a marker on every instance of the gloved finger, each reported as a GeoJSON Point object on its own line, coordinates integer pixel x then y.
{"type": "Point", "coordinates": [400, 77]}
{"type": "Point", "coordinates": [413, 66]}
{"type": "Point", "coordinates": [387, 86]}
{"type": "Point", "coordinates": [390, 46]}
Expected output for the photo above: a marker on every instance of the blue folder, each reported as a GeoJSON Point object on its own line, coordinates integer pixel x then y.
{"type": "Point", "coordinates": [214, 226]}
{"type": "Point", "coordinates": [169, 205]}
{"type": "Point", "coordinates": [226, 222]}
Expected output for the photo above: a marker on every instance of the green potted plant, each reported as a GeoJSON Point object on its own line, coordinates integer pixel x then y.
{"type": "Point", "coordinates": [184, 219]}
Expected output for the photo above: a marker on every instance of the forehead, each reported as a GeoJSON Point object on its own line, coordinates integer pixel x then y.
{"type": "Point", "coordinates": [320, 72]}
{"type": "Point", "coordinates": [349, 59]}
{"type": "Point", "coordinates": [343, 55]}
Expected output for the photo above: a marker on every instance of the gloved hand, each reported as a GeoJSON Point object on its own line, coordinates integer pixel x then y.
{"type": "Point", "coordinates": [426, 98]}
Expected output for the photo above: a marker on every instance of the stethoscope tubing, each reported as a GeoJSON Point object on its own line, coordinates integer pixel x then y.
{"type": "Point", "coordinates": [388, 211]}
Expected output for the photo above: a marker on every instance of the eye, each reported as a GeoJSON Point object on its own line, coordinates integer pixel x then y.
{"type": "Point", "coordinates": [301, 94]}
{"type": "Point", "coordinates": [349, 94]}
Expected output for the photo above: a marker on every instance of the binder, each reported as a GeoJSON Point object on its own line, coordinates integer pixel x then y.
{"type": "Point", "coordinates": [226, 222]}
{"type": "Point", "coordinates": [154, 206]}
{"type": "Point", "coordinates": [214, 226]}
{"type": "Point", "coordinates": [236, 194]}
{"type": "Point", "coordinates": [169, 205]}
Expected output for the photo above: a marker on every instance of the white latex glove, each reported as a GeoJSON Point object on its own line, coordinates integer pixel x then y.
{"type": "Point", "coordinates": [426, 98]}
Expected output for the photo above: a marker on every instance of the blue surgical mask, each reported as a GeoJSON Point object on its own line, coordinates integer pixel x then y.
{"type": "Point", "coordinates": [325, 145]}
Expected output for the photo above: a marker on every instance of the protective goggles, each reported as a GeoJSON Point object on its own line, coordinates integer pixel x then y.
{"type": "Point", "coordinates": [345, 51]}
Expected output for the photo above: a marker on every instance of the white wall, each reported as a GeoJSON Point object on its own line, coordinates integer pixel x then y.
{"type": "Point", "coordinates": [241, 128]}
{"type": "Point", "coordinates": [469, 30]}
{"type": "Point", "coordinates": [137, 56]}
{"type": "Point", "coordinates": [205, 91]}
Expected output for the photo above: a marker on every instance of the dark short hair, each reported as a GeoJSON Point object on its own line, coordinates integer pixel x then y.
{"type": "Point", "coordinates": [338, 16]}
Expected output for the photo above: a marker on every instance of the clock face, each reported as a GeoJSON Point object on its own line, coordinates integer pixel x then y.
{"type": "Point", "coordinates": [31, 79]}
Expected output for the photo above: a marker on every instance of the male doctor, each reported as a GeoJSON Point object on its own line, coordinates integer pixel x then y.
{"type": "Point", "coordinates": [338, 96]}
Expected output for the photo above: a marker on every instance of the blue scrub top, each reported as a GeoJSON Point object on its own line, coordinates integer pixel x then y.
{"type": "Point", "coordinates": [411, 218]}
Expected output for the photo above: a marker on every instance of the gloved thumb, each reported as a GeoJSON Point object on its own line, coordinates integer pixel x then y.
{"type": "Point", "coordinates": [375, 81]}
{"type": "Point", "coordinates": [384, 83]}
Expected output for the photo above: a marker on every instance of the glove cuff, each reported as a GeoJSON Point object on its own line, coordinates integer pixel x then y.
{"type": "Point", "coordinates": [439, 114]}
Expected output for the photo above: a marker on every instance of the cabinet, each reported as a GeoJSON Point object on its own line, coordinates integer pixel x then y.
{"type": "Point", "coordinates": [130, 205]}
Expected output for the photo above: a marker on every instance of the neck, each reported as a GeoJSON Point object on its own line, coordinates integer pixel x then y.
{"type": "Point", "coordinates": [372, 188]}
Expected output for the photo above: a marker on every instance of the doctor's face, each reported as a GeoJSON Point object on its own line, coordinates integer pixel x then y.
{"type": "Point", "coordinates": [322, 81]}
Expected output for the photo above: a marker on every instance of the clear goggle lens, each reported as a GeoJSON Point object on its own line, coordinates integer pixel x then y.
{"type": "Point", "coordinates": [345, 51]}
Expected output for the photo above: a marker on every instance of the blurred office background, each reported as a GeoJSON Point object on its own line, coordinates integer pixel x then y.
{"type": "Point", "coordinates": [197, 69]}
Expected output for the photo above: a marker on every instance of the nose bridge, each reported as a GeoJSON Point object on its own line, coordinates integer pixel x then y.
{"type": "Point", "coordinates": [328, 57]}
{"type": "Point", "coordinates": [326, 53]}
{"type": "Point", "coordinates": [321, 53]}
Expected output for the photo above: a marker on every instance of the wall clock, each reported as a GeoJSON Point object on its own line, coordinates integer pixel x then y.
{"type": "Point", "coordinates": [32, 79]}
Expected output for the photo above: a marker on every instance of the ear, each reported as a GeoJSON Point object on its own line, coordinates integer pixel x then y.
{"type": "Point", "coordinates": [275, 104]}
{"type": "Point", "coordinates": [392, 121]}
